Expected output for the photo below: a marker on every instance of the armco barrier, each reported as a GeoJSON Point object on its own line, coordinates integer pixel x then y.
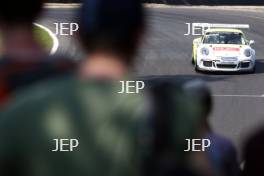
{"type": "Point", "coordinates": [207, 2]}
{"type": "Point", "coordinates": [186, 2]}
{"type": "Point", "coordinates": [63, 1]}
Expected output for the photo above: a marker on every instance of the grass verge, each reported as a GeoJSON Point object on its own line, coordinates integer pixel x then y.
{"type": "Point", "coordinates": [42, 37]}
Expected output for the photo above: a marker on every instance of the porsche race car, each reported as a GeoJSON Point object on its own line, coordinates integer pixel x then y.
{"type": "Point", "coordinates": [224, 49]}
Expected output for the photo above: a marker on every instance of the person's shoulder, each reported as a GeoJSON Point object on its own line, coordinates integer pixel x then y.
{"type": "Point", "coordinates": [221, 141]}
{"type": "Point", "coordinates": [41, 61]}
{"type": "Point", "coordinates": [69, 90]}
{"type": "Point", "coordinates": [37, 94]}
{"type": "Point", "coordinates": [23, 71]}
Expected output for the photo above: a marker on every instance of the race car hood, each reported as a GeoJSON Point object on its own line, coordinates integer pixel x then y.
{"type": "Point", "coordinates": [226, 50]}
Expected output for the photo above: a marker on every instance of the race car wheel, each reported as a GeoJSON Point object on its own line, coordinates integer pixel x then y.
{"type": "Point", "coordinates": [197, 69]}
{"type": "Point", "coordinates": [193, 62]}
{"type": "Point", "coordinates": [253, 70]}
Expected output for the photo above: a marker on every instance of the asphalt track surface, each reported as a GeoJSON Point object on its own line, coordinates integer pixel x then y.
{"type": "Point", "coordinates": [166, 53]}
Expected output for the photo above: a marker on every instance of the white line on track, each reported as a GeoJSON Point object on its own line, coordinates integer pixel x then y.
{"type": "Point", "coordinates": [241, 96]}
{"type": "Point", "coordinates": [53, 36]}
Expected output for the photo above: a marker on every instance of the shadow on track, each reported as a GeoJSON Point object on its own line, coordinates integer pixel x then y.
{"type": "Point", "coordinates": [259, 66]}
{"type": "Point", "coordinates": [180, 79]}
{"type": "Point", "coordinates": [204, 76]}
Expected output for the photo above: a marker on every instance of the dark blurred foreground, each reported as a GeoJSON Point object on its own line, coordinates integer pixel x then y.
{"type": "Point", "coordinates": [46, 99]}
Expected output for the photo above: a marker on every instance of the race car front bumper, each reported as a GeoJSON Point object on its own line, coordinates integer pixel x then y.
{"type": "Point", "coordinates": [217, 65]}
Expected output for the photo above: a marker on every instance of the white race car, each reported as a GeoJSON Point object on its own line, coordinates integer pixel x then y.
{"type": "Point", "coordinates": [223, 49]}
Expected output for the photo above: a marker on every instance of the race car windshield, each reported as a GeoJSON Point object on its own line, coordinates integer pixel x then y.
{"type": "Point", "coordinates": [224, 38]}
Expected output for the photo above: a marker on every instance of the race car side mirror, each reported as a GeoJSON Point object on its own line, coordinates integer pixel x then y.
{"type": "Point", "coordinates": [251, 42]}
{"type": "Point", "coordinates": [197, 41]}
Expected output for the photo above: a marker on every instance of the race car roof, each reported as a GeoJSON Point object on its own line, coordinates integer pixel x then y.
{"type": "Point", "coordinates": [223, 30]}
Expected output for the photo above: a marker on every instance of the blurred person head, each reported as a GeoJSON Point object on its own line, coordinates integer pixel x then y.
{"type": "Point", "coordinates": [110, 32]}
{"type": "Point", "coordinates": [174, 121]}
{"type": "Point", "coordinates": [23, 60]}
{"type": "Point", "coordinates": [253, 154]}
{"type": "Point", "coordinates": [16, 26]}
{"type": "Point", "coordinates": [221, 155]}
{"type": "Point", "coordinates": [202, 95]}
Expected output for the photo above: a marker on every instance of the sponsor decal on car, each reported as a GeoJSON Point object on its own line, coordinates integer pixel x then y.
{"type": "Point", "coordinates": [226, 49]}
{"type": "Point", "coordinates": [229, 59]}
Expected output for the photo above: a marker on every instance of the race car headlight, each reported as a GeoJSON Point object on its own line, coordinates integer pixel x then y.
{"type": "Point", "coordinates": [205, 51]}
{"type": "Point", "coordinates": [247, 52]}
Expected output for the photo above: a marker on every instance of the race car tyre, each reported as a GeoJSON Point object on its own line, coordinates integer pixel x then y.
{"type": "Point", "coordinates": [253, 70]}
{"type": "Point", "coordinates": [197, 69]}
{"type": "Point", "coordinates": [193, 61]}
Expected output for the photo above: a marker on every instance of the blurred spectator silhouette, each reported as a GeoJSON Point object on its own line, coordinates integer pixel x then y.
{"type": "Point", "coordinates": [23, 61]}
{"type": "Point", "coordinates": [174, 121]}
{"type": "Point", "coordinates": [253, 154]}
{"type": "Point", "coordinates": [222, 154]}
{"type": "Point", "coordinates": [85, 106]}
